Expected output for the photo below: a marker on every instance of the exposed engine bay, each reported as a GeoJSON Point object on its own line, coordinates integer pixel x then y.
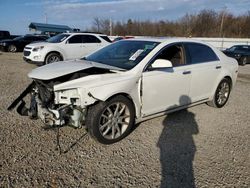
{"type": "Point", "coordinates": [44, 106]}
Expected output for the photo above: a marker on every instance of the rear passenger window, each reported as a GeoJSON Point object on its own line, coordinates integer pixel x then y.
{"type": "Point", "coordinates": [199, 53]}
{"type": "Point", "coordinates": [90, 39]}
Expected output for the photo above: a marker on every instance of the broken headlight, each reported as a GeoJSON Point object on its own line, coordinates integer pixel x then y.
{"type": "Point", "coordinates": [70, 96]}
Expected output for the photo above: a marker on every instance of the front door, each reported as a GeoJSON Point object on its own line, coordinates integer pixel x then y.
{"type": "Point", "coordinates": [73, 47]}
{"type": "Point", "coordinates": [164, 89]}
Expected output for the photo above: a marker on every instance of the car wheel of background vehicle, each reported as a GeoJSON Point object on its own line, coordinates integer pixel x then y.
{"type": "Point", "coordinates": [222, 94]}
{"type": "Point", "coordinates": [112, 120]}
{"type": "Point", "coordinates": [52, 57]}
{"type": "Point", "coordinates": [12, 48]}
{"type": "Point", "coordinates": [243, 61]}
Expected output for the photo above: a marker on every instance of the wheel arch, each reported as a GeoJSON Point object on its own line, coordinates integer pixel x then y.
{"type": "Point", "coordinates": [54, 51]}
{"type": "Point", "coordinates": [125, 95]}
{"type": "Point", "coordinates": [227, 76]}
{"type": "Point", "coordinates": [230, 79]}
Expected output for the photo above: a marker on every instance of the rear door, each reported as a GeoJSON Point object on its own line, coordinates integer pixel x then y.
{"type": "Point", "coordinates": [205, 66]}
{"type": "Point", "coordinates": [90, 44]}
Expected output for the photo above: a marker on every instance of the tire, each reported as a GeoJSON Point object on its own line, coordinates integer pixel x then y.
{"type": "Point", "coordinates": [110, 121]}
{"type": "Point", "coordinates": [243, 61]}
{"type": "Point", "coordinates": [222, 94]}
{"type": "Point", "coordinates": [52, 57]}
{"type": "Point", "coordinates": [12, 48]}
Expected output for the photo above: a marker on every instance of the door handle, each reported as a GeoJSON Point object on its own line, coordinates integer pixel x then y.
{"type": "Point", "coordinates": [186, 72]}
{"type": "Point", "coordinates": [218, 67]}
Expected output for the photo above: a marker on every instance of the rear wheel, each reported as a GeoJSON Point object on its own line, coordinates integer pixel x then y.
{"type": "Point", "coordinates": [221, 94]}
{"type": "Point", "coordinates": [12, 48]}
{"type": "Point", "coordinates": [110, 121]}
{"type": "Point", "coordinates": [52, 57]}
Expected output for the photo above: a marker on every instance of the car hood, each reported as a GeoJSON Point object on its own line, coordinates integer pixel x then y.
{"type": "Point", "coordinates": [6, 40]}
{"type": "Point", "coordinates": [38, 43]}
{"type": "Point", "coordinates": [58, 69]}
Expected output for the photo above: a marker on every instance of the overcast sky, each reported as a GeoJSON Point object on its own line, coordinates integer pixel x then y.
{"type": "Point", "coordinates": [16, 15]}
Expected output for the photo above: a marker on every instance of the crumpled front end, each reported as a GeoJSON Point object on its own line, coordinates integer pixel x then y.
{"type": "Point", "coordinates": [66, 105]}
{"type": "Point", "coordinates": [53, 108]}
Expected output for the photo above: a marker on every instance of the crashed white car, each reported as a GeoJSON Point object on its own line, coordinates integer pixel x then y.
{"type": "Point", "coordinates": [128, 82]}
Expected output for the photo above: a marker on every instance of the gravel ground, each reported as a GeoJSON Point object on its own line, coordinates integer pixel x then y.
{"type": "Point", "coordinates": [201, 146]}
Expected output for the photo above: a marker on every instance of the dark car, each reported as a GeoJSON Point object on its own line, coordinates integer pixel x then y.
{"type": "Point", "coordinates": [6, 35]}
{"type": "Point", "coordinates": [17, 44]}
{"type": "Point", "coordinates": [240, 52]}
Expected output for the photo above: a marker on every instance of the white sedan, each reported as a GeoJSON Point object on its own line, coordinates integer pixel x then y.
{"type": "Point", "coordinates": [127, 82]}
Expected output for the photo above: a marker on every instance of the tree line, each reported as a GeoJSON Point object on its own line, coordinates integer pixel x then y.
{"type": "Point", "coordinates": [207, 23]}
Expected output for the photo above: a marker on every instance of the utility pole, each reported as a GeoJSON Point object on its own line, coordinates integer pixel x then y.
{"type": "Point", "coordinates": [110, 27]}
{"type": "Point", "coordinates": [46, 19]}
{"type": "Point", "coordinates": [98, 24]}
{"type": "Point", "coordinates": [222, 21]}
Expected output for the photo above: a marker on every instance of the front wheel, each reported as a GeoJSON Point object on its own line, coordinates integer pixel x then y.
{"type": "Point", "coordinates": [243, 61]}
{"type": "Point", "coordinates": [110, 121]}
{"type": "Point", "coordinates": [52, 57]}
{"type": "Point", "coordinates": [12, 48]}
{"type": "Point", "coordinates": [221, 95]}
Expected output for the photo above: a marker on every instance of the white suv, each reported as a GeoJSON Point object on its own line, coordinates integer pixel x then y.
{"type": "Point", "coordinates": [64, 46]}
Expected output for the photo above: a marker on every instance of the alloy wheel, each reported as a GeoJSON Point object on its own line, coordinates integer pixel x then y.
{"type": "Point", "coordinates": [114, 120]}
{"type": "Point", "coordinates": [244, 61]}
{"type": "Point", "coordinates": [12, 48]}
{"type": "Point", "coordinates": [223, 93]}
{"type": "Point", "coordinates": [53, 59]}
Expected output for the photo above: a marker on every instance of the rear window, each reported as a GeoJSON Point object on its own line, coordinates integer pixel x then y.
{"type": "Point", "coordinates": [106, 38]}
{"type": "Point", "coordinates": [199, 53]}
{"type": "Point", "coordinates": [90, 39]}
{"type": "Point", "coordinates": [4, 33]}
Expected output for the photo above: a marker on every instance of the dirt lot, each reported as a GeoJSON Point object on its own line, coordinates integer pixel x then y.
{"type": "Point", "coordinates": [202, 147]}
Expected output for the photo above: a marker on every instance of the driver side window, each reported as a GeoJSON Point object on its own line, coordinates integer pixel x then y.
{"type": "Point", "coordinates": [174, 53]}
{"type": "Point", "coordinates": [75, 39]}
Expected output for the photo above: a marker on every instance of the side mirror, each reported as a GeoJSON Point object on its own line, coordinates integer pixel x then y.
{"type": "Point", "coordinates": [161, 63]}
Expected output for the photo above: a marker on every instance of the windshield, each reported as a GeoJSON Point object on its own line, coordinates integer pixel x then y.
{"type": "Point", "coordinates": [18, 38]}
{"type": "Point", "coordinates": [58, 38]}
{"type": "Point", "coordinates": [239, 49]}
{"type": "Point", "coordinates": [123, 54]}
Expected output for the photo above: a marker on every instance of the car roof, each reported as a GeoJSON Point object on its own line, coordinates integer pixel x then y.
{"type": "Point", "coordinates": [85, 33]}
{"type": "Point", "coordinates": [241, 45]}
{"type": "Point", "coordinates": [167, 40]}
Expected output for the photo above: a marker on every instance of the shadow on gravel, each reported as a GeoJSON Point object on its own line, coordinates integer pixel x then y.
{"type": "Point", "coordinates": [58, 148]}
{"type": "Point", "coordinates": [177, 149]}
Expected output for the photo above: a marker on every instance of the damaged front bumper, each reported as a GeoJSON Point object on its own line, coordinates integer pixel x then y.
{"type": "Point", "coordinates": [56, 115]}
